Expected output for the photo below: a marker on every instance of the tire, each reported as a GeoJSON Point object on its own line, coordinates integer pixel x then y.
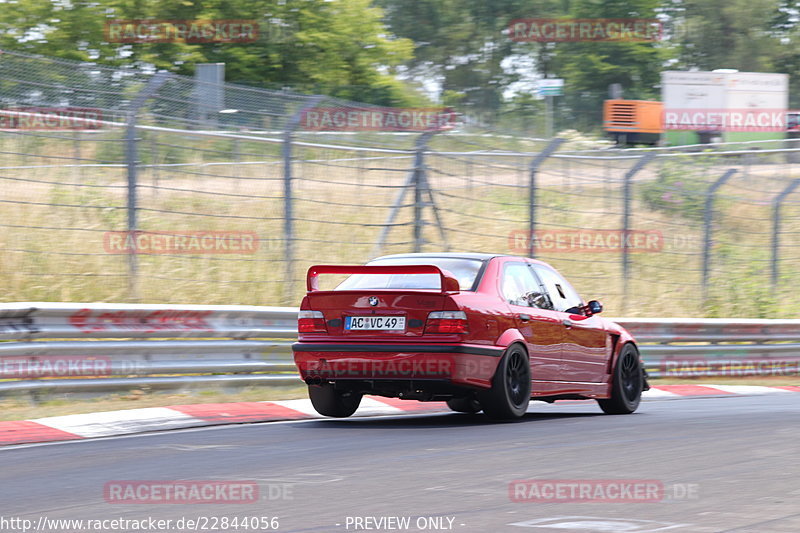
{"type": "Point", "coordinates": [627, 386]}
{"type": "Point", "coordinates": [467, 405]}
{"type": "Point", "coordinates": [510, 394]}
{"type": "Point", "coordinates": [329, 402]}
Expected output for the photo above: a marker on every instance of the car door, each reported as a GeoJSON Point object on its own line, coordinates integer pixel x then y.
{"type": "Point", "coordinates": [586, 346]}
{"type": "Point", "coordinates": [541, 327]}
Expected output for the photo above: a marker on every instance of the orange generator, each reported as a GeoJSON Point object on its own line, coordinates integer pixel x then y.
{"type": "Point", "coordinates": [633, 121]}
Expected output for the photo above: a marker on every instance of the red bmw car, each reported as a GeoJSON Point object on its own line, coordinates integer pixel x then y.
{"type": "Point", "coordinates": [479, 331]}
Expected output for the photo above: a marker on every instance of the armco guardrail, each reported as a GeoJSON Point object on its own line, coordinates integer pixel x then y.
{"type": "Point", "coordinates": [68, 347]}
{"type": "Point", "coordinates": [698, 347]}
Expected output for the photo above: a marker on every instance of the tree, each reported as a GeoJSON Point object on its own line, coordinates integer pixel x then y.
{"type": "Point", "coordinates": [737, 34]}
{"type": "Point", "coordinates": [588, 68]}
{"type": "Point", "coordinates": [338, 47]}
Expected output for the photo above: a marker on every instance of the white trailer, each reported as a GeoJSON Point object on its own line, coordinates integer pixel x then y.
{"type": "Point", "coordinates": [724, 105]}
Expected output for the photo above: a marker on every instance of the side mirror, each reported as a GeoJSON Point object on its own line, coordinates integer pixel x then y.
{"type": "Point", "coordinates": [594, 307]}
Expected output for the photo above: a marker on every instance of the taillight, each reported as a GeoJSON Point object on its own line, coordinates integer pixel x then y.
{"type": "Point", "coordinates": [446, 322]}
{"type": "Point", "coordinates": [311, 322]}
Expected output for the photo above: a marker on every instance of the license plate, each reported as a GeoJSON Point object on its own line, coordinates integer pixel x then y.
{"type": "Point", "coordinates": [390, 323]}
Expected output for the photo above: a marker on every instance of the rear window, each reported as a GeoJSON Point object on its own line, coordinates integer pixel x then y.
{"type": "Point", "coordinates": [466, 271]}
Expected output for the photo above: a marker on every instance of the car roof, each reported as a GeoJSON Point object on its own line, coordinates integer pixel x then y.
{"type": "Point", "coordinates": [475, 256]}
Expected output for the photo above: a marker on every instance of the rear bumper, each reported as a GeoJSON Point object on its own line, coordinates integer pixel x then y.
{"type": "Point", "coordinates": [459, 364]}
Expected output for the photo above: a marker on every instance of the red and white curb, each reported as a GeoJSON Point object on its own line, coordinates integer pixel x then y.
{"type": "Point", "coordinates": [105, 424]}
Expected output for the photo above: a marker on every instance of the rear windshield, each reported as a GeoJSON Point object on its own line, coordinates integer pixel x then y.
{"type": "Point", "coordinates": [465, 271]}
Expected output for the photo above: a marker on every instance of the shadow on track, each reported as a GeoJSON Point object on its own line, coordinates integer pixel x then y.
{"type": "Point", "coordinates": [439, 420]}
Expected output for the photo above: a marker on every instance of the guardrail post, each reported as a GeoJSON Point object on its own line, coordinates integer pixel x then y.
{"type": "Point", "coordinates": [533, 169]}
{"type": "Point", "coordinates": [132, 160]}
{"type": "Point", "coordinates": [288, 196]}
{"type": "Point", "coordinates": [776, 227]}
{"type": "Point", "coordinates": [708, 219]}
{"type": "Point", "coordinates": [626, 216]}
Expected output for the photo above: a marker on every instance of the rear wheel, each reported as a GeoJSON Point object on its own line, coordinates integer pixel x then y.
{"type": "Point", "coordinates": [467, 404]}
{"type": "Point", "coordinates": [627, 386]}
{"type": "Point", "coordinates": [330, 402]}
{"type": "Point", "coordinates": [511, 387]}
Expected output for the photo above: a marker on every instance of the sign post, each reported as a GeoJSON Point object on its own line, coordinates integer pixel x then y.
{"type": "Point", "coordinates": [550, 87]}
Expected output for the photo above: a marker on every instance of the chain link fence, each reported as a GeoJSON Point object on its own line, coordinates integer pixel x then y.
{"type": "Point", "coordinates": [227, 197]}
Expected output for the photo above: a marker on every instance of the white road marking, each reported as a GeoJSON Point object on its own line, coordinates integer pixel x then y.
{"type": "Point", "coordinates": [599, 525]}
{"type": "Point", "coordinates": [656, 394]}
{"type": "Point", "coordinates": [749, 389]}
{"type": "Point", "coordinates": [116, 422]}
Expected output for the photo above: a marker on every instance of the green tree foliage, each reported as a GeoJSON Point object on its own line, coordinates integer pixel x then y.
{"type": "Point", "coordinates": [738, 34]}
{"type": "Point", "coordinates": [588, 68]}
{"type": "Point", "coordinates": [383, 51]}
{"type": "Point", "coordinates": [338, 47]}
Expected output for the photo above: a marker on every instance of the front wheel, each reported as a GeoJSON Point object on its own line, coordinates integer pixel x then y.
{"type": "Point", "coordinates": [330, 402]}
{"type": "Point", "coordinates": [510, 394]}
{"type": "Point", "coordinates": [627, 384]}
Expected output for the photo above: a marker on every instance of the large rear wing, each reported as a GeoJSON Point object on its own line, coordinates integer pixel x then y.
{"type": "Point", "coordinates": [449, 282]}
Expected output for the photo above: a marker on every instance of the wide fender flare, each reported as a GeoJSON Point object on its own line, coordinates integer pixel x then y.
{"type": "Point", "coordinates": [623, 338]}
{"type": "Point", "coordinates": [509, 337]}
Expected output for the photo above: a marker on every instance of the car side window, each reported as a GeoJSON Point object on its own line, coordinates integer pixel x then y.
{"type": "Point", "coordinates": [520, 287]}
{"type": "Point", "coordinates": [563, 296]}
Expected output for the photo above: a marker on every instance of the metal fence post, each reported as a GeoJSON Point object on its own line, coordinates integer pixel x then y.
{"type": "Point", "coordinates": [76, 153]}
{"type": "Point", "coordinates": [708, 219]}
{"type": "Point", "coordinates": [419, 188]}
{"type": "Point", "coordinates": [626, 220]}
{"type": "Point", "coordinates": [469, 174]}
{"type": "Point", "coordinates": [154, 161]}
{"type": "Point", "coordinates": [536, 162]}
{"type": "Point", "coordinates": [132, 161]}
{"type": "Point", "coordinates": [394, 211]}
{"type": "Point", "coordinates": [776, 226]}
{"type": "Point", "coordinates": [288, 196]}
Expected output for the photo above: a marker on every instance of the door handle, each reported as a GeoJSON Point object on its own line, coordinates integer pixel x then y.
{"type": "Point", "coordinates": [567, 322]}
{"type": "Point", "coordinates": [524, 317]}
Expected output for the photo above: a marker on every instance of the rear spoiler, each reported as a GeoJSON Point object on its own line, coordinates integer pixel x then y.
{"type": "Point", "coordinates": [449, 282]}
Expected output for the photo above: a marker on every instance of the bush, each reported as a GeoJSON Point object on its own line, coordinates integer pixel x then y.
{"type": "Point", "coordinates": [676, 190]}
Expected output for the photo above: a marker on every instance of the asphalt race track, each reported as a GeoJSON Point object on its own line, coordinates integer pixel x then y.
{"type": "Point", "coordinates": [722, 464]}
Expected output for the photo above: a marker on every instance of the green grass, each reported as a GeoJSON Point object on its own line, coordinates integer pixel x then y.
{"type": "Point", "coordinates": [51, 231]}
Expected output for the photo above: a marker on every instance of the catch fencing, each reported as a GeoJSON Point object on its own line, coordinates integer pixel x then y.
{"type": "Point", "coordinates": [229, 196]}
{"type": "Point", "coordinates": [48, 348]}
